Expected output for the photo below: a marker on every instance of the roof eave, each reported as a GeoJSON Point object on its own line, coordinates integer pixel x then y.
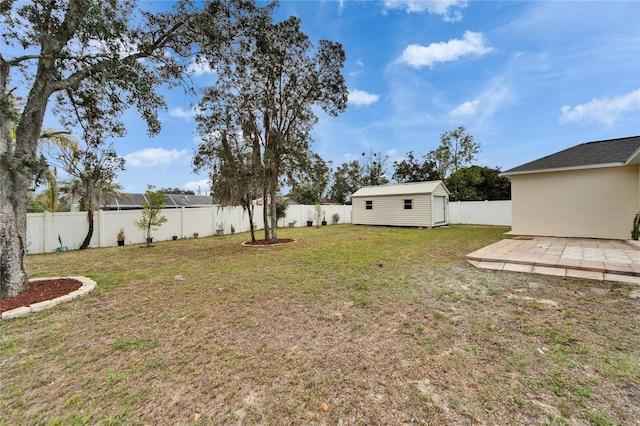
{"type": "Point", "coordinates": [633, 158]}
{"type": "Point", "coordinates": [564, 169]}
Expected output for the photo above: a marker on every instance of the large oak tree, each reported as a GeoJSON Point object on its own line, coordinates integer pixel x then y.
{"type": "Point", "coordinates": [267, 86]}
{"type": "Point", "coordinates": [93, 59]}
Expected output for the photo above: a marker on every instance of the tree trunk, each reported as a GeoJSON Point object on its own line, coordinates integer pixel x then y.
{"type": "Point", "coordinates": [274, 216]}
{"type": "Point", "coordinates": [13, 231]}
{"type": "Point", "coordinates": [87, 239]}
{"type": "Point", "coordinates": [249, 209]}
{"type": "Point", "coordinates": [265, 213]}
{"type": "Point", "coordinates": [18, 168]}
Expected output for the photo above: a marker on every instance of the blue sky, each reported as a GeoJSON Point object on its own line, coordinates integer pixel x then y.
{"type": "Point", "coordinates": [525, 78]}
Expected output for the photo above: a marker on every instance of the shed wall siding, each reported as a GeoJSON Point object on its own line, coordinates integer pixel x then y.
{"type": "Point", "coordinates": [440, 191]}
{"type": "Point", "coordinates": [389, 210]}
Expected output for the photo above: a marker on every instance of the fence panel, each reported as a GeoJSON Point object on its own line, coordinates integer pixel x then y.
{"type": "Point", "coordinates": [43, 228]}
{"type": "Point", "coordinates": [480, 212]}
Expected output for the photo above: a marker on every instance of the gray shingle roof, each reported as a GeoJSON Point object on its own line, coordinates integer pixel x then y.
{"type": "Point", "coordinates": [612, 152]}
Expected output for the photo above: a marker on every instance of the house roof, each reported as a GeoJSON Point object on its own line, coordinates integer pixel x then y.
{"type": "Point", "coordinates": [606, 153]}
{"type": "Point", "coordinates": [399, 189]}
{"type": "Point", "coordinates": [132, 201]}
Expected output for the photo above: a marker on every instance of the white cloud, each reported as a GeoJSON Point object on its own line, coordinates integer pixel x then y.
{"type": "Point", "coordinates": [156, 157]}
{"type": "Point", "coordinates": [360, 65]}
{"type": "Point", "coordinates": [496, 95]}
{"type": "Point", "coordinates": [362, 98]}
{"type": "Point", "coordinates": [465, 109]}
{"type": "Point", "coordinates": [179, 112]}
{"type": "Point", "coordinates": [419, 56]}
{"type": "Point", "coordinates": [199, 67]}
{"type": "Point", "coordinates": [450, 10]}
{"type": "Point", "coordinates": [606, 111]}
{"type": "Point", "coordinates": [201, 186]}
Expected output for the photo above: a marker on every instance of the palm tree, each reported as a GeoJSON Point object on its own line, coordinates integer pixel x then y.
{"type": "Point", "coordinates": [93, 170]}
{"type": "Point", "coordinates": [90, 187]}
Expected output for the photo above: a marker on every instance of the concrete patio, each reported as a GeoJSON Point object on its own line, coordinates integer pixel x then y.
{"type": "Point", "coordinates": [608, 260]}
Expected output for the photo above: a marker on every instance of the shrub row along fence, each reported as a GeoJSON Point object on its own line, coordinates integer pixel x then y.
{"type": "Point", "coordinates": [46, 230]}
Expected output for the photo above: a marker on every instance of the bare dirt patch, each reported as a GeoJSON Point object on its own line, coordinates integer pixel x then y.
{"type": "Point", "coordinates": [39, 291]}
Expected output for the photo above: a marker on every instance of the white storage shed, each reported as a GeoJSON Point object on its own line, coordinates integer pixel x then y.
{"type": "Point", "coordinates": [424, 204]}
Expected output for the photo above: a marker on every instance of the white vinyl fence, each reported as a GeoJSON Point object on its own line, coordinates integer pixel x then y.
{"type": "Point", "coordinates": [480, 212]}
{"type": "Point", "coordinates": [43, 229]}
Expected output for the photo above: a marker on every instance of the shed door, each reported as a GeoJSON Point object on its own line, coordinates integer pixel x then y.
{"type": "Point", "coordinates": [438, 209]}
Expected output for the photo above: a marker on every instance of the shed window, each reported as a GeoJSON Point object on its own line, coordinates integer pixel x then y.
{"type": "Point", "coordinates": [368, 204]}
{"type": "Point", "coordinates": [408, 204]}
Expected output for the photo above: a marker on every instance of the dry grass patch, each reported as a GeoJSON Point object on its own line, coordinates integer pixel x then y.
{"type": "Point", "coordinates": [350, 325]}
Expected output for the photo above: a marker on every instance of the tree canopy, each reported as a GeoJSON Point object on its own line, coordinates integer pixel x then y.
{"type": "Point", "coordinates": [267, 85]}
{"type": "Point", "coordinates": [93, 59]}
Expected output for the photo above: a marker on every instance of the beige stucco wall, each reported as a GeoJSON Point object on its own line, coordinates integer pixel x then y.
{"type": "Point", "coordinates": [594, 203]}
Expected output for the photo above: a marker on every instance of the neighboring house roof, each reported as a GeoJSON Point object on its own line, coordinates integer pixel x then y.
{"type": "Point", "coordinates": [132, 201]}
{"type": "Point", "coordinates": [399, 189]}
{"type": "Point", "coordinates": [607, 153]}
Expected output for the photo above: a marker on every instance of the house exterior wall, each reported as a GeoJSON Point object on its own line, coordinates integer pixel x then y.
{"type": "Point", "coordinates": [593, 203]}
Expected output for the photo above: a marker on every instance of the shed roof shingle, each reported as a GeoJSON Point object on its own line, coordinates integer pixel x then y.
{"type": "Point", "coordinates": [399, 189]}
{"type": "Point", "coordinates": [612, 152]}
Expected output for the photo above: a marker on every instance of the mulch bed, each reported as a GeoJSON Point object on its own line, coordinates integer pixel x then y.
{"type": "Point", "coordinates": [268, 242]}
{"type": "Point", "coordinates": [39, 291]}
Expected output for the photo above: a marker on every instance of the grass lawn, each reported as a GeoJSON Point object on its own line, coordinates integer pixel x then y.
{"type": "Point", "coordinates": [349, 325]}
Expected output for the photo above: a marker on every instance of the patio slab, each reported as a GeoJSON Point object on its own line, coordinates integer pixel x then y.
{"type": "Point", "coordinates": [609, 260]}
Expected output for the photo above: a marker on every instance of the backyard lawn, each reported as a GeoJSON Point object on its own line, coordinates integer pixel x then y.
{"type": "Point", "coordinates": [348, 325]}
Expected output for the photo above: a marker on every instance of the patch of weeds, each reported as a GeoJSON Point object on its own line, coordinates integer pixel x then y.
{"type": "Point", "coordinates": [183, 358]}
{"type": "Point", "coordinates": [126, 345]}
{"type": "Point", "coordinates": [494, 292]}
{"type": "Point", "coordinates": [240, 324]}
{"type": "Point", "coordinates": [455, 401]}
{"type": "Point", "coordinates": [532, 384]}
{"type": "Point", "coordinates": [362, 286]}
{"type": "Point", "coordinates": [437, 315]}
{"type": "Point", "coordinates": [558, 384]}
{"type": "Point", "coordinates": [565, 409]}
{"type": "Point", "coordinates": [517, 400]}
{"type": "Point", "coordinates": [359, 300]}
{"type": "Point", "coordinates": [583, 393]}
{"type": "Point", "coordinates": [333, 318]}
{"type": "Point", "coordinates": [74, 401]}
{"type": "Point", "coordinates": [121, 417]}
{"type": "Point", "coordinates": [112, 377]}
{"type": "Point", "coordinates": [136, 397]}
{"type": "Point", "coordinates": [555, 421]}
{"type": "Point", "coordinates": [72, 419]}
{"type": "Point", "coordinates": [10, 346]}
{"type": "Point", "coordinates": [355, 327]}
{"type": "Point", "coordinates": [569, 314]}
{"type": "Point", "coordinates": [152, 364]}
{"type": "Point", "coordinates": [596, 418]}
{"type": "Point", "coordinates": [616, 369]}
